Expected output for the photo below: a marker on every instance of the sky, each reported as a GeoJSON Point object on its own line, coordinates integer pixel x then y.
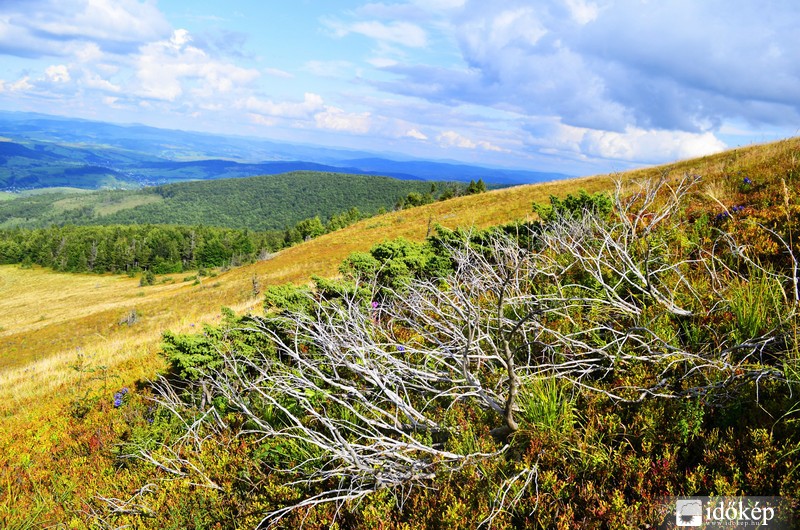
{"type": "Point", "coordinates": [574, 86]}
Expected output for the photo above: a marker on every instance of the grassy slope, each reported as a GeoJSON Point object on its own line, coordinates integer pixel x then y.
{"type": "Point", "coordinates": [42, 352]}
{"type": "Point", "coordinates": [174, 306]}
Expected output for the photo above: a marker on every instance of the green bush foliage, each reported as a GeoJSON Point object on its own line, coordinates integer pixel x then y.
{"type": "Point", "coordinates": [599, 203]}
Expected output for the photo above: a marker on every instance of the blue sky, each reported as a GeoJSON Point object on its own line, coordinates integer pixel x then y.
{"type": "Point", "coordinates": [577, 86]}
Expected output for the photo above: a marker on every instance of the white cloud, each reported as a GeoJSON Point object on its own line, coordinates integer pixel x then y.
{"type": "Point", "coordinates": [681, 65]}
{"type": "Point", "coordinates": [92, 80]}
{"type": "Point", "coordinates": [338, 120]}
{"type": "Point", "coordinates": [21, 85]}
{"type": "Point", "coordinates": [57, 73]}
{"type": "Point", "coordinates": [311, 104]}
{"type": "Point", "coordinates": [635, 145]}
{"type": "Point", "coordinates": [650, 146]}
{"type": "Point", "coordinates": [582, 11]}
{"type": "Point", "coordinates": [164, 67]}
{"type": "Point", "coordinates": [275, 72]}
{"type": "Point", "coordinates": [179, 38]}
{"type": "Point", "coordinates": [396, 32]}
{"type": "Point", "coordinates": [54, 27]}
{"type": "Point", "coordinates": [262, 120]}
{"type": "Point", "coordinates": [88, 52]}
{"type": "Point", "coordinates": [414, 133]}
{"type": "Point", "coordinates": [454, 139]}
{"type": "Point", "coordinates": [402, 33]}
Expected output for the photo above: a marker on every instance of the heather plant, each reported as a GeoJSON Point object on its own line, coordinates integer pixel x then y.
{"type": "Point", "coordinates": [595, 333]}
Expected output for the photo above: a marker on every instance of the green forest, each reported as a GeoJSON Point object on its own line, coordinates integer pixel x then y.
{"type": "Point", "coordinates": [135, 243]}
{"type": "Point", "coordinates": [271, 202]}
{"type": "Point", "coordinates": [127, 249]}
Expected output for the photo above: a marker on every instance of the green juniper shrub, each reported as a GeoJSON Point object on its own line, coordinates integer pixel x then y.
{"type": "Point", "coordinates": [287, 297]}
{"type": "Point", "coordinates": [599, 203]}
{"type": "Point", "coordinates": [148, 278]}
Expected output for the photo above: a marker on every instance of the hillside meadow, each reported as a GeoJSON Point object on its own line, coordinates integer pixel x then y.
{"type": "Point", "coordinates": [68, 311]}
{"type": "Point", "coordinates": [69, 341]}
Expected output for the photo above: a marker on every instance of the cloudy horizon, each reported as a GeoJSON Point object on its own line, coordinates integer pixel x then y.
{"type": "Point", "coordinates": [573, 86]}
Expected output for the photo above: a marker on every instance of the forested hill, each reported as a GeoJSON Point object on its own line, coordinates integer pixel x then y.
{"type": "Point", "coordinates": [258, 203]}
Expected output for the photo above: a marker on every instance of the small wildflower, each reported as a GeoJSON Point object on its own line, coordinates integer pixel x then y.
{"type": "Point", "coordinates": [119, 397]}
{"type": "Point", "coordinates": [401, 349]}
{"type": "Point", "coordinates": [747, 180]}
{"type": "Point", "coordinates": [374, 304]}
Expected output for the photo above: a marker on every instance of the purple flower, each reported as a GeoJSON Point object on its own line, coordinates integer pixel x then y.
{"type": "Point", "coordinates": [374, 304]}
{"type": "Point", "coordinates": [747, 180]}
{"type": "Point", "coordinates": [119, 397]}
{"type": "Point", "coordinates": [401, 349]}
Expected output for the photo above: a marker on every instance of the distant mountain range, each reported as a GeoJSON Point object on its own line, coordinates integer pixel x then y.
{"type": "Point", "coordinates": [40, 151]}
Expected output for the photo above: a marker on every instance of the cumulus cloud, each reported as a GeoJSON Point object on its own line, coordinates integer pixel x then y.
{"type": "Point", "coordinates": [92, 80]}
{"type": "Point", "coordinates": [396, 32]}
{"type": "Point", "coordinates": [20, 85]}
{"type": "Point", "coordinates": [680, 65]}
{"type": "Point", "coordinates": [36, 28]}
{"type": "Point", "coordinates": [337, 119]}
{"type": "Point", "coordinates": [57, 73]}
{"type": "Point", "coordinates": [164, 67]}
{"type": "Point", "coordinates": [311, 104]}
{"type": "Point", "coordinates": [652, 146]}
{"type": "Point", "coordinates": [454, 139]}
{"type": "Point", "coordinates": [416, 134]}
{"type": "Point", "coordinates": [633, 145]}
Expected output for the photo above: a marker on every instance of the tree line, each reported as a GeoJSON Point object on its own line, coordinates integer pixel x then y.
{"type": "Point", "coordinates": [159, 249]}
{"type": "Point", "coordinates": [118, 249]}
